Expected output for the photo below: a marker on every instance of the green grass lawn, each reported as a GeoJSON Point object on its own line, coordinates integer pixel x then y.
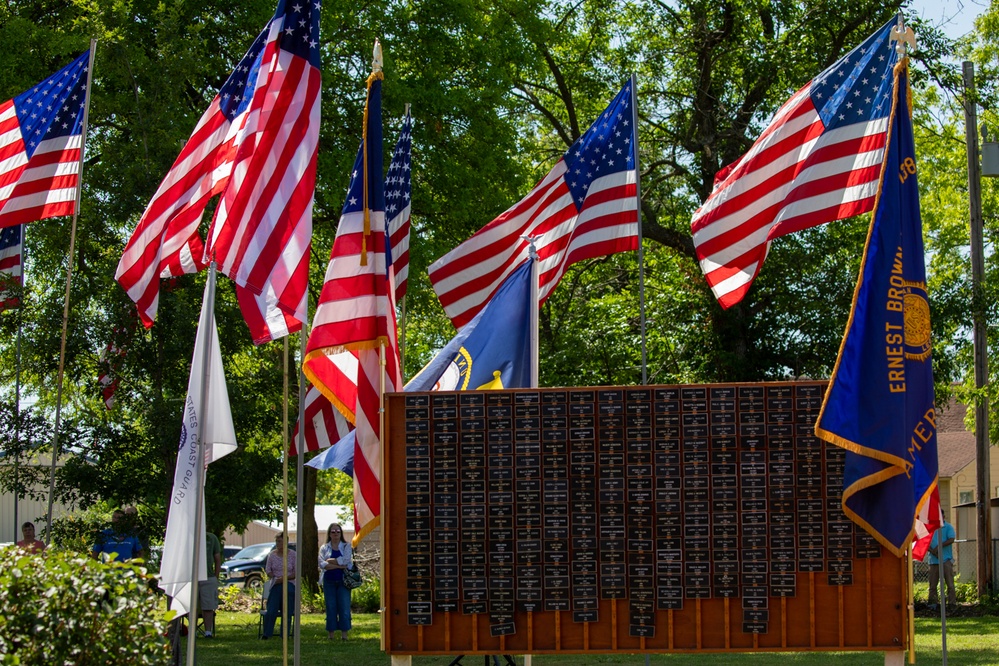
{"type": "Point", "coordinates": [971, 641]}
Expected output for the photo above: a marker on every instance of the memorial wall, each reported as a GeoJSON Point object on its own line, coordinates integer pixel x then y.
{"type": "Point", "coordinates": [658, 518]}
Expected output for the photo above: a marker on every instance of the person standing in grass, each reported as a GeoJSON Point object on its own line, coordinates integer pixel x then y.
{"type": "Point", "coordinates": [334, 556]}
{"type": "Point", "coordinates": [208, 590]}
{"type": "Point", "coordinates": [278, 571]}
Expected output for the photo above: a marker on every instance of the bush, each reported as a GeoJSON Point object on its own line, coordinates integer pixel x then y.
{"type": "Point", "coordinates": [59, 608]}
{"type": "Point", "coordinates": [368, 597]}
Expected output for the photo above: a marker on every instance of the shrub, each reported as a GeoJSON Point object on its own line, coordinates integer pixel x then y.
{"type": "Point", "coordinates": [368, 597]}
{"type": "Point", "coordinates": [59, 608]}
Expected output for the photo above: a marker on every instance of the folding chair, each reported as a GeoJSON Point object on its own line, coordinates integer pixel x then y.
{"type": "Point", "coordinates": [265, 591]}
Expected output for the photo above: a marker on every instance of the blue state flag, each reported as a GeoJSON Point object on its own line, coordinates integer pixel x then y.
{"type": "Point", "coordinates": [879, 404]}
{"type": "Point", "coordinates": [493, 351]}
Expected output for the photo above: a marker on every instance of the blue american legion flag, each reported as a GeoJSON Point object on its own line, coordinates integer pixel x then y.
{"type": "Point", "coordinates": [398, 189]}
{"type": "Point", "coordinates": [11, 247]}
{"type": "Point", "coordinates": [818, 160]}
{"type": "Point", "coordinates": [41, 135]}
{"type": "Point", "coordinates": [586, 207]}
{"type": "Point", "coordinates": [879, 405]}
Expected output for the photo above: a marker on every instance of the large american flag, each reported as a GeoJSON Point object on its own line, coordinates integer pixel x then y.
{"type": "Point", "coordinates": [398, 188]}
{"type": "Point", "coordinates": [585, 207]}
{"type": "Point", "coordinates": [819, 160]}
{"type": "Point", "coordinates": [355, 318]}
{"type": "Point", "coordinates": [41, 134]}
{"type": "Point", "coordinates": [256, 146]}
{"type": "Point", "coordinates": [11, 248]}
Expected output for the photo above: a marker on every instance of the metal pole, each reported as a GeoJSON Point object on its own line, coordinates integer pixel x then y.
{"type": "Point", "coordinates": [199, 483]}
{"type": "Point", "coordinates": [982, 493]}
{"type": "Point", "coordinates": [17, 401]}
{"type": "Point", "coordinates": [300, 444]}
{"type": "Point", "coordinates": [638, 222]}
{"type": "Point", "coordinates": [284, 510]}
{"type": "Point", "coordinates": [911, 610]}
{"type": "Point", "coordinates": [532, 252]}
{"type": "Point", "coordinates": [69, 280]}
{"type": "Point", "coordinates": [943, 601]}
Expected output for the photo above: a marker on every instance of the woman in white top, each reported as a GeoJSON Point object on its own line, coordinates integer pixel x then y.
{"type": "Point", "coordinates": [334, 556]}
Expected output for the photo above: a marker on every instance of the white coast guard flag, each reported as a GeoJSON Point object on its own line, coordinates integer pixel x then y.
{"type": "Point", "coordinates": [219, 439]}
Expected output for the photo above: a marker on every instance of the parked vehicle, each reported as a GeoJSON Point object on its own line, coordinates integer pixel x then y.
{"type": "Point", "coordinates": [247, 567]}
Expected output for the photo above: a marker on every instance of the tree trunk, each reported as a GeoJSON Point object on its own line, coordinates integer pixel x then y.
{"type": "Point", "coordinates": [308, 545]}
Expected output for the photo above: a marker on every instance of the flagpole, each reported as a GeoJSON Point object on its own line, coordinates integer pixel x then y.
{"type": "Point", "coordinates": [638, 211]}
{"type": "Point", "coordinates": [17, 379]}
{"type": "Point", "coordinates": [300, 444]}
{"type": "Point", "coordinates": [532, 252]}
{"type": "Point", "coordinates": [284, 509]}
{"type": "Point", "coordinates": [199, 482]}
{"type": "Point", "coordinates": [911, 611]}
{"type": "Point", "coordinates": [69, 280]}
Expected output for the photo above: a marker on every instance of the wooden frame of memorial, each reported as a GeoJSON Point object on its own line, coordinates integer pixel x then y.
{"type": "Point", "coordinates": [690, 518]}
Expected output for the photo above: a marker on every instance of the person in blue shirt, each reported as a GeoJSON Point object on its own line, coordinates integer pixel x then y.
{"type": "Point", "coordinates": [118, 540]}
{"type": "Point", "coordinates": [334, 556]}
{"type": "Point", "coordinates": [942, 550]}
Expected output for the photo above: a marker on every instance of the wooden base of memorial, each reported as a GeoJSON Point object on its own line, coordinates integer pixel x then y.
{"type": "Point", "coordinates": [702, 518]}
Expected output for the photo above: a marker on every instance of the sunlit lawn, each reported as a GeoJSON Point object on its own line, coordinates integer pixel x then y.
{"type": "Point", "coordinates": [970, 642]}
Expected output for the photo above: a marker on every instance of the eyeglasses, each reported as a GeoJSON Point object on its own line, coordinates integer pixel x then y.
{"type": "Point", "coordinates": [334, 529]}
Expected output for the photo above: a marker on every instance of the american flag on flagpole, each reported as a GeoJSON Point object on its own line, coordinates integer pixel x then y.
{"type": "Point", "coordinates": [41, 134]}
{"type": "Point", "coordinates": [324, 425]}
{"type": "Point", "coordinates": [256, 146]}
{"type": "Point", "coordinates": [352, 354]}
{"type": "Point", "coordinates": [113, 358]}
{"type": "Point", "coordinates": [585, 207]}
{"type": "Point", "coordinates": [11, 248]}
{"type": "Point", "coordinates": [398, 189]}
{"type": "Point", "coordinates": [818, 161]}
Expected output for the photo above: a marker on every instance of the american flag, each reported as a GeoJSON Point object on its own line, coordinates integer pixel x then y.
{"type": "Point", "coordinates": [585, 207]}
{"type": "Point", "coordinates": [929, 519]}
{"type": "Point", "coordinates": [41, 134]}
{"type": "Point", "coordinates": [398, 187]}
{"type": "Point", "coordinates": [355, 318]}
{"type": "Point", "coordinates": [324, 425]}
{"type": "Point", "coordinates": [256, 146]}
{"type": "Point", "coordinates": [113, 357]}
{"type": "Point", "coordinates": [11, 247]}
{"type": "Point", "coordinates": [818, 161]}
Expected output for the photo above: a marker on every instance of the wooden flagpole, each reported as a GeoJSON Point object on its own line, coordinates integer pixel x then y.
{"type": "Point", "coordinates": [300, 471]}
{"type": "Point", "coordinates": [69, 280]}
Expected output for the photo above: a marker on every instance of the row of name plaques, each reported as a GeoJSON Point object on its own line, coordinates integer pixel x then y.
{"type": "Point", "coordinates": [551, 500]}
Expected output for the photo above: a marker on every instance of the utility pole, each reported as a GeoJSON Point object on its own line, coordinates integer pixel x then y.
{"type": "Point", "coordinates": [982, 459]}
